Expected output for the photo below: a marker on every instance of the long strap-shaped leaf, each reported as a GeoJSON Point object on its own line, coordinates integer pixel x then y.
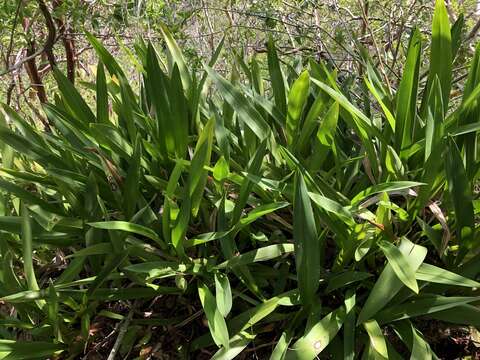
{"type": "Point", "coordinates": [307, 243]}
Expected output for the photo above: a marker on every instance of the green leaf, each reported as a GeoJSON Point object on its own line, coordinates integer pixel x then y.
{"type": "Point", "coordinates": [330, 206]}
{"type": "Point", "coordinates": [107, 269]}
{"type": "Point", "coordinates": [440, 55]}
{"type": "Point", "coordinates": [168, 203]}
{"type": "Point", "coordinates": [407, 94]}
{"type": "Point", "coordinates": [431, 273]}
{"type": "Point", "coordinates": [253, 168]}
{"type": "Point", "coordinates": [388, 114]}
{"type": "Point", "coordinates": [261, 254]}
{"type": "Point", "coordinates": [223, 294]}
{"type": "Point", "coordinates": [318, 337]}
{"type": "Point", "coordinates": [102, 95]}
{"type": "Point", "coordinates": [197, 177]}
{"type": "Point", "coordinates": [340, 280]}
{"type": "Point", "coordinates": [460, 191]}
{"type": "Point", "coordinates": [131, 191]}
{"type": "Point", "coordinates": [388, 284]}
{"type": "Point", "coordinates": [434, 120]}
{"type": "Point", "coordinates": [276, 77]}
{"type": "Point", "coordinates": [281, 347]}
{"type": "Point", "coordinates": [462, 314]}
{"type": "Point", "coordinates": [355, 119]}
{"type": "Point", "coordinates": [427, 304]}
{"type": "Point", "coordinates": [96, 249]}
{"type": "Point", "coordinates": [296, 101]}
{"type": "Point", "coordinates": [206, 237]}
{"type": "Point", "coordinates": [221, 169]}
{"type": "Point", "coordinates": [325, 134]}
{"type": "Point", "coordinates": [23, 350]}
{"type": "Point", "coordinates": [311, 122]}
{"type": "Point", "coordinates": [457, 34]}
{"type": "Point", "coordinates": [130, 228]}
{"type": "Point", "coordinates": [261, 211]}
{"type": "Point", "coordinates": [246, 112]}
{"type": "Point", "coordinates": [377, 340]}
{"type": "Point", "coordinates": [349, 326]}
{"type": "Point", "coordinates": [158, 269]}
{"type": "Point", "coordinates": [177, 56]}
{"type": "Point", "coordinates": [470, 113]}
{"type": "Point", "coordinates": [105, 56]}
{"type": "Point", "coordinates": [216, 322]}
{"type": "Point", "coordinates": [73, 99]}
{"type": "Point", "coordinates": [28, 253]}
{"type": "Point", "coordinates": [384, 187]}
{"type": "Point", "coordinates": [307, 243]}
{"type": "Point", "coordinates": [235, 346]}
{"type": "Point", "coordinates": [420, 348]}
{"type": "Point", "coordinates": [399, 264]}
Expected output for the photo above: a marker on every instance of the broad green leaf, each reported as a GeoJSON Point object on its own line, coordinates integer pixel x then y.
{"type": "Point", "coordinates": [349, 326]}
{"type": "Point", "coordinates": [177, 56]}
{"type": "Point", "coordinates": [216, 322]}
{"type": "Point", "coordinates": [427, 304]}
{"type": "Point", "coordinates": [107, 59]}
{"type": "Point", "coordinates": [206, 237]}
{"type": "Point", "coordinates": [160, 269]}
{"type": "Point", "coordinates": [318, 337]}
{"type": "Point", "coordinates": [330, 206]}
{"type": "Point", "coordinates": [462, 314]}
{"type": "Point", "coordinates": [281, 347]}
{"type": "Point", "coordinates": [325, 134]}
{"type": "Point", "coordinates": [223, 294]}
{"type": "Point", "coordinates": [246, 112]}
{"type": "Point", "coordinates": [386, 111]}
{"type": "Point", "coordinates": [340, 280]}
{"type": "Point", "coordinates": [470, 113]}
{"type": "Point", "coordinates": [420, 348]}
{"type": "Point", "coordinates": [261, 254]}
{"type": "Point", "coordinates": [261, 211]}
{"type": "Point", "coordinates": [296, 101]}
{"type": "Point", "coordinates": [399, 264]}
{"type": "Point", "coordinates": [457, 34]}
{"type": "Point", "coordinates": [307, 242]}
{"type": "Point", "coordinates": [27, 248]}
{"type": "Point", "coordinates": [388, 284]}
{"type": "Point", "coordinates": [434, 120]}
{"type": "Point", "coordinates": [460, 191]}
{"type": "Point", "coordinates": [357, 120]}
{"type": "Point", "coordinates": [115, 261]}
{"type": "Point", "coordinates": [394, 163]}
{"type": "Point", "coordinates": [129, 227]}
{"type": "Point", "coordinates": [377, 340]}
{"type": "Point", "coordinates": [23, 350]}
{"type": "Point", "coordinates": [276, 77]}
{"type": "Point", "coordinates": [156, 84]}
{"type": "Point", "coordinates": [440, 55]}
{"type": "Point", "coordinates": [221, 169]}
{"type": "Point", "coordinates": [96, 249]}
{"type": "Point", "coordinates": [198, 175]}
{"type": "Point", "coordinates": [131, 187]}
{"type": "Point", "coordinates": [73, 99]}
{"type": "Point", "coordinates": [168, 203]}
{"type": "Point", "coordinates": [431, 273]}
{"type": "Point", "coordinates": [235, 346]}
{"type": "Point", "coordinates": [102, 95]}
{"type": "Point", "coordinates": [384, 187]}
{"type": "Point", "coordinates": [407, 94]}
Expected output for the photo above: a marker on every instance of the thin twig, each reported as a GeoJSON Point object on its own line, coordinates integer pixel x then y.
{"type": "Point", "coordinates": [121, 333]}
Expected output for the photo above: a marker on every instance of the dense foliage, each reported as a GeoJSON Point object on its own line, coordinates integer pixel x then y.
{"type": "Point", "coordinates": [201, 217]}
